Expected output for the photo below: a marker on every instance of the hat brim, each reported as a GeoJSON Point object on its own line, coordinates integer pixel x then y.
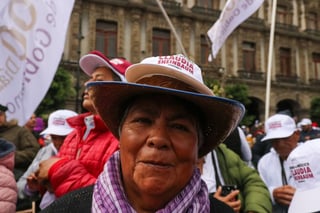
{"type": "Point", "coordinates": [90, 62]}
{"type": "Point", "coordinates": [277, 135]}
{"type": "Point", "coordinates": [56, 131]}
{"type": "Point", "coordinates": [221, 115]}
{"type": "Point", "coordinates": [138, 71]}
{"type": "Point", "coordinates": [305, 201]}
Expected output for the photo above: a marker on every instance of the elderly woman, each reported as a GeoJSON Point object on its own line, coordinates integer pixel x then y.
{"type": "Point", "coordinates": [165, 119]}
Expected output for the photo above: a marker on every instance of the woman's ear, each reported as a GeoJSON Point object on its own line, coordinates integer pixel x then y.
{"type": "Point", "coordinates": [200, 163]}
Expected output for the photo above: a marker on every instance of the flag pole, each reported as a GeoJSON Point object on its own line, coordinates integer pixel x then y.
{"type": "Point", "coordinates": [172, 27]}
{"type": "Point", "coordinates": [271, 41]}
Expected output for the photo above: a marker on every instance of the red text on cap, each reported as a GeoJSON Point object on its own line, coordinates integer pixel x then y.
{"type": "Point", "coordinates": [59, 121]}
{"type": "Point", "coordinates": [177, 61]}
{"type": "Point", "coordinates": [275, 125]}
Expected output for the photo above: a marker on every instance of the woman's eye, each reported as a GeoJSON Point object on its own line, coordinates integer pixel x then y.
{"type": "Point", "coordinates": [142, 120]}
{"type": "Point", "coordinates": [98, 79]}
{"type": "Point", "coordinates": [180, 127]}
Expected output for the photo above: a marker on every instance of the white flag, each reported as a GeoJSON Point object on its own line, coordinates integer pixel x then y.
{"type": "Point", "coordinates": [233, 14]}
{"type": "Point", "coordinates": [32, 36]}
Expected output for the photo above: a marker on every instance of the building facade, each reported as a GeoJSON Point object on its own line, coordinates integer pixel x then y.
{"type": "Point", "coordinates": [136, 29]}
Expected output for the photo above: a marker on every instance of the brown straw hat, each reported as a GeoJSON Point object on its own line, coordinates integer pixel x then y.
{"type": "Point", "coordinates": [221, 115]}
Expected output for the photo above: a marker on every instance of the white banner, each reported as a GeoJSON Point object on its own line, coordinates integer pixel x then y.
{"type": "Point", "coordinates": [234, 13]}
{"type": "Point", "coordinates": [32, 36]}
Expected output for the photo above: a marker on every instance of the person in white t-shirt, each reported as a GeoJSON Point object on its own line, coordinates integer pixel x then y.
{"type": "Point", "coordinates": [282, 132]}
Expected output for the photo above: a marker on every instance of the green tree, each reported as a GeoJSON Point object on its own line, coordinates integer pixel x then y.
{"type": "Point", "coordinates": [315, 110]}
{"type": "Point", "coordinates": [61, 90]}
{"type": "Point", "coordinates": [237, 92]}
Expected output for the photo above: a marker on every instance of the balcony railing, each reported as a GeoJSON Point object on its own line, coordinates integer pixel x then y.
{"type": "Point", "coordinates": [172, 4]}
{"type": "Point", "coordinates": [253, 75]}
{"type": "Point", "coordinates": [314, 82]}
{"type": "Point", "coordinates": [287, 79]}
{"type": "Point", "coordinates": [254, 22]}
{"type": "Point", "coordinates": [206, 11]}
{"type": "Point", "coordinates": [312, 33]}
{"type": "Point", "coordinates": [287, 27]}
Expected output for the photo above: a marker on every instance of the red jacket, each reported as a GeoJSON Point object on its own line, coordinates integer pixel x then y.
{"type": "Point", "coordinates": [82, 159]}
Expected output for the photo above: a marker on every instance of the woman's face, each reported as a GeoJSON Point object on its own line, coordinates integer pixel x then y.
{"type": "Point", "coordinates": [31, 122]}
{"type": "Point", "coordinates": [99, 74]}
{"type": "Point", "coordinates": [158, 147]}
{"type": "Point", "coordinates": [57, 141]}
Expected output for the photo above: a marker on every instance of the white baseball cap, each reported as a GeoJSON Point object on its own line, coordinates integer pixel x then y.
{"type": "Point", "coordinates": [279, 126]}
{"type": "Point", "coordinates": [95, 59]}
{"type": "Point", "coordinates": [304, 167]}
{"type": "Point", "coordinates": [305, 121]}
{"type": "Point", "coordinates": [57, 123]}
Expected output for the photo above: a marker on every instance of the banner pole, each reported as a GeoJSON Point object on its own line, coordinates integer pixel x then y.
{"type": "Point", "coordinates": [172, 27]}
{"type": "Point", "coordinates": [271, 41]}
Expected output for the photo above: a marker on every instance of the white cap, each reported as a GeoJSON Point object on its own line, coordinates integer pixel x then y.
{"type": "Point", "coordinates": [305, 121]}
{"type": "Point", "coordinates": [174, 66]}
{"type": "Point", "coordinates": [95, 59]}
{"type": "Point", "coordinates": [57, 123]}
{"type": "Point", "coordinates": [304, 167]}
{"type": "Point", "coordinates": [279, 126]}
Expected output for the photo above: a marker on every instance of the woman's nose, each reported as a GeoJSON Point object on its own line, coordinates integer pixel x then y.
{"type": "Point", "coordinates": [159, 138]}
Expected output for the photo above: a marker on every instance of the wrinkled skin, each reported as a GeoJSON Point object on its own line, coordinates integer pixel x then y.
{"type": "Point", "coordinates": [158, 146]}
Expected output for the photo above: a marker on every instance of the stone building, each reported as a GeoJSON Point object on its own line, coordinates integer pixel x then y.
{"type": "Point", "coordinates": [136, 29]}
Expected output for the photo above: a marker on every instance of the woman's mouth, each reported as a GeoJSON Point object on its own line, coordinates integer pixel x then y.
{"type": "Point", "coordinates": [158, 164]}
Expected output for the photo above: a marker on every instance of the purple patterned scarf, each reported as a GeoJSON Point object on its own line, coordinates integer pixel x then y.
{"type": "Point", "coordinates": [109, 196]}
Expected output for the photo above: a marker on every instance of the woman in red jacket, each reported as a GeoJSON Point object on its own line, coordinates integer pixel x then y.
{"type": "Point", "coordinates": [89, 146]}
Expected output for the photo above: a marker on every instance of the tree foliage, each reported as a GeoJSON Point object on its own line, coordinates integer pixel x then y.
{"type": "Point", "coordinates": [61, 90]}
{"type": "Point", "coordinates": [237, 92]}
{"type": "Point", "coordinates": [315, 110]}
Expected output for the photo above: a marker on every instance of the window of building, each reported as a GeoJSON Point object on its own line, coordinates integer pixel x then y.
{"type": "Point", "coordinates": [249, 56]}
{"type": "Point", "coordinates": [316, 65]}
{"type": "Point", "coordinates": [312, 21]}
{"type": "Point", "coordinates": [285, 62]}
{"type": "Point", "coordinates": [205, 50]}
{"type": "Point", "coordinates": [160, 42]}
{"type": "Point", "coordinates": [282, 15]}
{"type": "Point", "coordinates": [205, 3]}
{"type": "Point", "coordinates": [106, 38]}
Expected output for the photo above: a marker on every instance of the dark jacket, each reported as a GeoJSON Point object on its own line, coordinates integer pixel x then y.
{"type": "Point", "coordinates": [26, 145]}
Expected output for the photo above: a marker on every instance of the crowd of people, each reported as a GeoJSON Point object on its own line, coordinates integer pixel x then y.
{"type": "Point", "coordinates": [151, 140]}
